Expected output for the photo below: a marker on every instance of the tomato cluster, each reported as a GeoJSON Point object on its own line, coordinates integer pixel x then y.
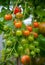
{"type": "Point", "coordinates": [20, 40]}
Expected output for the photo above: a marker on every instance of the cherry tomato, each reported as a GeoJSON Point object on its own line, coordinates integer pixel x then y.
{"type": "Point", "coordinates": [36, 43]}
{"type": "Point", "coordinates": [31, 38]}
{"type": "Point", "coordinates": [35, 34]}
{"type": "Point", "coordinates": [18, 24]}
{"type": "Point", "coordinates": [37, 50]}
{"type": "Point", "coordinates": [8, 50]}
{"type": "Point", "coordinates": [32, 53]}
{"type": "Point", "coordinates": [26, 33]}
{"type": "Point", "coordinates": [18, 33]}
{"type": "Point", "coordinates": [24, 41]}
{"type": "Point", "coordinates": [19, 15]}
{"type": "Point", "coordinates": [8, 17]}
{"type": "Point", "coordinates": [29, 28]}
{"type": "Point", "coordinates": [35, 24]}
{"type": "Point", "coordinates": [5, 27]}
{"type": "Point", "coordinates": [16, 10]}
{"type": "Point", "coordinates": [5, 36]}
{"type": "Point", "coordinates": [8, 43]}
{"type": "Point", "coordinates": [32, 47]}
{"type": "Point", "coordinates": [25, 59]}
{"type": "Point", "coordinates": [20, 49]}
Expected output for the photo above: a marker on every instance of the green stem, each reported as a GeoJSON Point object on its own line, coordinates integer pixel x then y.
{"type": "Point", "coordinates": [25, 10]}
{"type": "Point", "coordinates": [8, 4]}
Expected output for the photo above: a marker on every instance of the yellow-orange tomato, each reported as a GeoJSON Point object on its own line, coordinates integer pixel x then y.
{"type": "Point", "coordinates": [26, 32]}
{"type": "Point", "coordinates": [25, 59]}
{"type": "Point", "coordinates": [29, 28]}
{"type": "Point", "coordinates": [19, 15]}
{"type": "Point", "coordinates": [35, 34]}
{"type": "Point", "coordinates": [18, 24]}
{"type": "Point", "coordinates": [42, 28]}
{"type": "Point", "coordinates": [8, 17]}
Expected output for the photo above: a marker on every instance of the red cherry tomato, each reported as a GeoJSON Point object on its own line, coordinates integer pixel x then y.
{"type": "Point", "coordinates": [17, 10]}
{"type": "Point", "coordinates": [29, 28]}
{"type": "Point", "coordinates": [35, 24]}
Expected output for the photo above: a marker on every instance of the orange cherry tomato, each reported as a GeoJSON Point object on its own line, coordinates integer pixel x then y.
{"type": "Point", "coordinates": [8, 17]}
{"type": "Point", "coordinates": [26, 32]}
{"type": "Point", "coordinates": [35, 24]}
{"type": "Point", "coordinates": [18, 24]}
{"type": "Point", "coordinates": [25, 59]}
{"type": "Point", "coordinates": [35, 34]}
{"type": "Point", "coordinates": [29, 28]}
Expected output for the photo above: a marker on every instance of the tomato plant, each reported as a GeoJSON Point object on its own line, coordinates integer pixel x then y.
{"type": "Point", "coordinates": [20, 40]}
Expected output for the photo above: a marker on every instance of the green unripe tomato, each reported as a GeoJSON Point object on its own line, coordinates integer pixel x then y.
{"type": "Point", "coordinates": [31, 47]}
{"type": "Point", "coordinates": [31, 38]}
{"type": "Point", "coordinates": [5, 36]}
{"type": "Point", "coordinates": [8, 43]}
{"type": "Point", "coordinates": [32, 53]}
{"type": "Point", "coordinates": [20, 49]}
{"type": "Point", "coordinates": [36, 43]}
{"type": "Point", "coordinates": [37, 50]}
{"type": "Point", "coordinates": [18, 33]}
{"type": "Point", "coordinates": [8, 50]}
{"type": "Point", "coordinates": [24, 41]}
{"type": "Point", "coordinates": [5, 27]}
